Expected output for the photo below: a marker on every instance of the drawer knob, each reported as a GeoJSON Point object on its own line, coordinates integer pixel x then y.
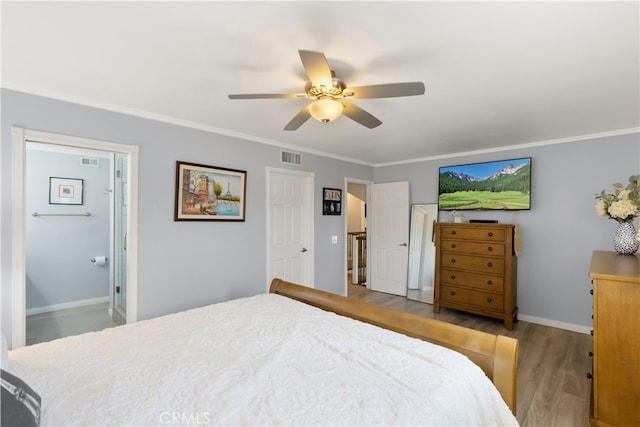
{"type": "Point", "coordinates": [589, 375]}
{"type": "Point", "coordinates": [591, 354]}
{"type": "Point", "coordinates": [453, 231]}
{"type": "Point", "coordinates": [453, 276]}
{"type": "Point", "coordinates": [489, 299]}
{"type": "Point", "coordinates": [453, 245]}
{"type": "Point", "coordinates": [591, 332]}
{"type": "Point", "coordinates": [452, 293]}
{"type": "Point", "coordinates": [591, 291]}
{"type": "Point", "coordinates": [453, 260]}
{"type": "Point", "coordinates": [489, 282]}
{"type": "Point", "coordinates": [490, 234]}
{"type": "Point", "coordinates": [489, 264]}
{"type": "Point", "coordinates": [489, 248]}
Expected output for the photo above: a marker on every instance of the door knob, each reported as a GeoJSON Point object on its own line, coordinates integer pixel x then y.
{"type": "Point", "coordinates": [304, 250]}
{"type": "Point", "coordinates": [403, 244]}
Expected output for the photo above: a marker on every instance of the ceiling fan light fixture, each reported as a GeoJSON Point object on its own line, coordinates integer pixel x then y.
{"type": "Point", "coordinates": [325, 110]}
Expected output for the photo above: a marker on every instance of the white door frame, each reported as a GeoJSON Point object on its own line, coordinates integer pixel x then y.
{"type": "Point", "coordinates": [345, 209]}
{"type": "Point", "coordinates": [309, 188]}
{"type": "Point", "coordinates": [20, 137]}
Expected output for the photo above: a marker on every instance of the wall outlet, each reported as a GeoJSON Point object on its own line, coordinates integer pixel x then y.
{"type": "Point", "coordinates": [334, 239]}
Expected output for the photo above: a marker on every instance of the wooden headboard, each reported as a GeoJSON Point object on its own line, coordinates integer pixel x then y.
{"type": "Point", "coordinates": [497, 355]}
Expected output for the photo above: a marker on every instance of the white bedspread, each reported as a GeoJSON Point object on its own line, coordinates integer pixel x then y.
{"type": "Point", "coordinates": [264, 360]}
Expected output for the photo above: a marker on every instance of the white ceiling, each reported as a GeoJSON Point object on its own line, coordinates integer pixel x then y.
{"type": "Point", "coordinates": [496, 73]}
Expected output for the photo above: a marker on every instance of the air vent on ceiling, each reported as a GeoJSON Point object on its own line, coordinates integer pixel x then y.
{"type": "Point", "coordinates": [290, 158]}
{"type": "Point", "coordinates": [90, 161]}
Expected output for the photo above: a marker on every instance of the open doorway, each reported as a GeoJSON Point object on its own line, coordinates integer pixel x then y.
{"type": "Point", "coordinates": [75, 241]}
{"type": "Point", "coordinates": [62, 202]}
{"type": "Point", "coordinates": [356, 237]}
{"type": "Point", "coordinates": [69, 204]}
{"type": "Point", "coordinates": [386, 225]}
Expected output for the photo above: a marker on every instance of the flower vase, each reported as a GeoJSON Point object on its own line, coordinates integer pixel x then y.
{"type": "Point", "coordinates": [624, 241]}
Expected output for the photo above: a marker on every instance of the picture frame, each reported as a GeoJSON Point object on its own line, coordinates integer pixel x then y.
{"type": "Point", "coordinates": [65, 191]}
{"type": "Point", "coordinates": [331, 201]}
{"type": "Point", "coordinates": [209, 193]}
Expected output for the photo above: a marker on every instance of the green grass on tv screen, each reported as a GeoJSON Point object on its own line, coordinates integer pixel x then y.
{"type": "Point", "coordinates": [461, 200]}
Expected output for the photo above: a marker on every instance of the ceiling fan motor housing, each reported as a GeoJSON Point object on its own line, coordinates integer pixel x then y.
{"type": "Point", "coordinates": [334, 91]}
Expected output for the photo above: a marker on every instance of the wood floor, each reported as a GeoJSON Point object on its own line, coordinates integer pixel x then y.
{"type": "Point", "coordinates": [553, 389]}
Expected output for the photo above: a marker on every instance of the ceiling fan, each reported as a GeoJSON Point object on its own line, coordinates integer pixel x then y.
{"type": "Point", "coordinates": [330, 94]}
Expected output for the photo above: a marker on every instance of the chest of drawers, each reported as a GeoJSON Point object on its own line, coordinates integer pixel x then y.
{"type": "Point", "coordinates": [476, 270]}
{"type": "Point", "coordinates": [616, 346]}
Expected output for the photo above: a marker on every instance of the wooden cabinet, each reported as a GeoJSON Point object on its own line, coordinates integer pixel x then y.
{"type": "Point", "coordinates": [476, 269]}
{"type": "Point", "coordinates": [616, 339]}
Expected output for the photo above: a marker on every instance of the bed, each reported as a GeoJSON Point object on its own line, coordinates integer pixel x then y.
{"type": "Point", "coordinates": [293, 356]}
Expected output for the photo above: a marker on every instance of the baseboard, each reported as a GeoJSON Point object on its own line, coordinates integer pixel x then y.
{"type": "Point", "coordinates": [556, 324]}
{"type": "Point", "coordinates": [65, 305]}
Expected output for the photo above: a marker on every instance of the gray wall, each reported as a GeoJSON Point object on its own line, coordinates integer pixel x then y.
{"type": "Point", "coordinates": [59, 248]}
{"type": "Point", "coordinates": [561, 229]}
{"type": "Point", "coordinates": [182, 264]}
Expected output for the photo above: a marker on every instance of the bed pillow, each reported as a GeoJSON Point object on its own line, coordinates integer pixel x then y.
{"type": "Point", "coordinates": [20, 404]}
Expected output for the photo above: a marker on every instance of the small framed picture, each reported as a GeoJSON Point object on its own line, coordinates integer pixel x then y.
{"type": "Point", "coordinates": [65, 191]}
{"type": "Point", "coordinates": [209, 193]}
{"type": "Point", "coordinates": [331, 201]}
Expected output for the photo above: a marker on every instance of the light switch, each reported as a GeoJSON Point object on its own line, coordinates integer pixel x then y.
{"type": "Point", "coordinates": [334, 239]}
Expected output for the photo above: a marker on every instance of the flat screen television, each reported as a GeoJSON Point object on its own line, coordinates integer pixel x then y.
{"type": "Point", "coordinates": [497, 185]}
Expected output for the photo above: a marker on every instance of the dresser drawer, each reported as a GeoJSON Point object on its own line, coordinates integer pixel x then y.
{"type": "Point", "coordinates": [473, 233]}
{"type": "Point", "coordinates": [479, 248]}
{"type": "Point", "coordinates": [473, 263]}
{"type": "Point", "coordinates": [474, 280]}
{"type": "Point", "coordinates": [469, 297]}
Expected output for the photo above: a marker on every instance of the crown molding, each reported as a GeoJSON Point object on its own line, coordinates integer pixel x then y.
{"type": "Point", "coordinates": [220, 131]}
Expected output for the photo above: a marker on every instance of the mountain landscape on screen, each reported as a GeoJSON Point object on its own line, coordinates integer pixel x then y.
{"type": "Point", "coordinates": [500, 185]}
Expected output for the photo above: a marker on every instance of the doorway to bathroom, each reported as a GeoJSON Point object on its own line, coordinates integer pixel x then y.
{"type": "Point", "coordinates": [75, 241]}
{"type": "Point", "coordinates": [74, 235]}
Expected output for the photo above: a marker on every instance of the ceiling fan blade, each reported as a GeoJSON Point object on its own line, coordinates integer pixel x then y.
{"type": "Point", "coordinates": [359, 115]}
{"type": "Point", "coordinates": [267, 95]}
{"type": "Point", "coordinates": [298, 120]}
{"type": "Point", "coordinates": [389, 90]}
{"type": "Point", "coordinates": [317, 68]}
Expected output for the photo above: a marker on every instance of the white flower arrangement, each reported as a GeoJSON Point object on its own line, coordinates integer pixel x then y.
{"type": "Point", "coordinates": [622, 206]}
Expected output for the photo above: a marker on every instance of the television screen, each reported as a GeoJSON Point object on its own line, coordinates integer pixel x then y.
{"type": "Point", "coordinates": [499, 185]}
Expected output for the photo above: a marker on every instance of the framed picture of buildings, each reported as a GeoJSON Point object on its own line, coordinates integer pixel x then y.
{"type": "Point", "coordinates": [331, 201]}
{"type": "Point", "coordinates": [209, 193]}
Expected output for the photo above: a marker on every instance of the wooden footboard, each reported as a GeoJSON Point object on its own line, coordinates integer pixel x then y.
{"type": "Point", "coordinates": [497, 355]}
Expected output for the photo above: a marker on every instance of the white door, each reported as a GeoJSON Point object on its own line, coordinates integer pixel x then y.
{"type": "Point", "coordinates": [388, 249]}
{"type": "Point", "coordinates": [290, 226]}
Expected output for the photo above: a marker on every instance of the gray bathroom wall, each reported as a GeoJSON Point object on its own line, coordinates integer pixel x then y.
{"type": "Point", "coordinates": [59, 248]}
